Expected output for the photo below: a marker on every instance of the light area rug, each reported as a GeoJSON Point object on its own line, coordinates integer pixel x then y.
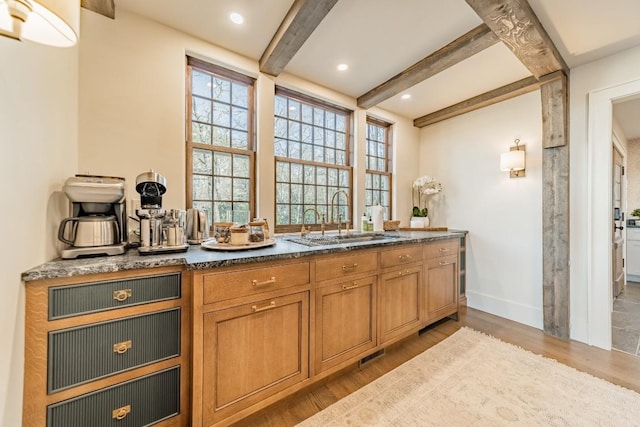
{"type": "Point", "coordinates": [472, 379]}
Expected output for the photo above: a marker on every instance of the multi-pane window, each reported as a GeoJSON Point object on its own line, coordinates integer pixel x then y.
{"type": "Point", "coordinates": [378, 174]}
{"type": "Point", "coordinates": [220, 141]}
{"type": "Point", "coordinates": [312, 158]}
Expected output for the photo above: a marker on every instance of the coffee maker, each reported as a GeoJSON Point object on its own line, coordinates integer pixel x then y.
{"type": "Point", "coordinates": [160, 231]}
{"type": "Point", "coordinates": [98, 221]}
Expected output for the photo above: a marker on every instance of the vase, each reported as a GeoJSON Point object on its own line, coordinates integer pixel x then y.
{"type": "Point", "coordinates": [419, 222]}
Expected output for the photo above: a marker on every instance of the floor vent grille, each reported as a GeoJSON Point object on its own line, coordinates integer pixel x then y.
{"type": "Point", "coordinates": [371, 357]}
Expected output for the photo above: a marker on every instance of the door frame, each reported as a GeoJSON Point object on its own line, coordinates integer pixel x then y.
{"type": "Point", "coordinates": [599, 215]}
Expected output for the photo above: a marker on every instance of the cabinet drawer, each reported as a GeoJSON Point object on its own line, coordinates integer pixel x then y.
{"type": "Point", "coordinates": [73, 300]}
{"type": "Point", "coordinates": [233, 284]}
{"type": "Point", "coordinates": [81, 354]}
{"type": "Point", "coordinates": [345, 265]}
{"type": "Point", "coordinates": [441, 248]}
{"type": "Point", "coordinates": [401, 256]}
{"type": "Point", "coordinates": [140, 402]}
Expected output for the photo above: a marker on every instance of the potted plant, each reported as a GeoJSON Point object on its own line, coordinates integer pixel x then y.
{"type": "Point", "coordinates": [423, 187]}
{"type": "Point", "coordinates": [636, 213]}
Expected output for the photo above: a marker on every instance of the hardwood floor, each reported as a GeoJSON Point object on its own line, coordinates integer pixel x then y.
{"type": "Point", "coordinates": [619, 368]}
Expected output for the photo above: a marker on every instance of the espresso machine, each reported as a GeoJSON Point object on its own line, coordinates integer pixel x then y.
{"type": "Point", "coordinates": [161, 231]}
{"type": "Point", "coordinates": [98, 221]}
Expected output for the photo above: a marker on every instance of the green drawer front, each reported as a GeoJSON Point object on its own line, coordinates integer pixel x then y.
{"type": "Point", "coordinates": [73, 300]}
{"type": "Point", "coordinates": [151, 399]}
{"type": "Point", "coordinates": [85, 353]}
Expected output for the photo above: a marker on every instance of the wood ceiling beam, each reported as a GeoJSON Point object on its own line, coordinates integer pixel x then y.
{"type": "Point", "coordinates": [103, 7]}
{"type": "Point", "coordinates": [518, 27]}
{"type": "Point", "coordinates": [458, 50]}
{"type": "Point", "coordinates": [301, 20]}
{"type": "Point", "coordinates": [503, 93]}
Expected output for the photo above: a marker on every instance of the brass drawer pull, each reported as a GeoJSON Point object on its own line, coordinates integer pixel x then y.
{"type": "Point", "coordinates": [122, 295]}
{"type": "Point", "coordinates": [444, 263]}
{"type": "Point", "coordinates": [121, 413]}
{"type": "Point", "coordinates": [349, 267]}
{"type": "Point", "coordinates": [351, 286]}
{"type": "Point", "coordinates": [404, 257]}
{"type": "Point", "coordinates": [271, 281]}
{"type": "Point", "coordinates": [400, 273]}
{"type": "Point", "coordinates": [269, 306]}
{"type": "Point", "coordinates": [444, 249]}
{"type": "Point", "coordinates": [122, 347]}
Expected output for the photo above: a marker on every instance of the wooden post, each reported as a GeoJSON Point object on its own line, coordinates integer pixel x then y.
{"type": "Point", "coordinates": [555, 204]}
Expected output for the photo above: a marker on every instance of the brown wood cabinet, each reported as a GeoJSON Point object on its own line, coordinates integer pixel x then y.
{"type": "Point", "coordinates": [253, 351]}
{"type": "Point", "coordinates": [345, 319]}
{"type": "Point", "coordinates": [264, 331]}
{"type": "Point", "coordinates": [401, 296]}
{"type": "Point", "coordinates": [441, 280]}
{"type": "Point", "coordinates": [251, 337]}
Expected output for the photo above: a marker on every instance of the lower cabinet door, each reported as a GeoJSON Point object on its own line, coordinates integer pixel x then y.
{"type": "Point", "coordinates": [140, 402]}
{"type": "Point", "coordinates": [442, 287]}
{"type": "Point", "coordinates": [253, 351]}
{"type": "Point", "coordinates": [400, 294]}
{"type": "Point", "coordinates": [345, 321]}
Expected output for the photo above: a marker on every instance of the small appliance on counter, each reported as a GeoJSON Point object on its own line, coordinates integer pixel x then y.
{"type": "Point", "coordinates": [98, 222]}
{"type": "Point", "coordinates": [160, 232]}
{"type": "Point", "coordinates": [197, 230]}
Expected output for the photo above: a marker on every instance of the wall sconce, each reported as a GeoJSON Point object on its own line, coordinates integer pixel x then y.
{"type": "Point", "coordinates": [513, 161]}
{"type": "Point", "coordinates": [49, 22]}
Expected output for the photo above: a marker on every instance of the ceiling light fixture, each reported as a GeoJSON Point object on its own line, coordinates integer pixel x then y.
{"type": "Point", "coordinates": [342, 67]}
{"type": "Point", "coordinates": [48, 22]}
{"type": "Point", "coordinates": [236, 18]}
{"type": "Point", "coordinates": [406, 96]}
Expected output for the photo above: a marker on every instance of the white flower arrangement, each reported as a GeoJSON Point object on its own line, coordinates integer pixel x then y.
{"type": "Point", "coordinates": [424, 186]}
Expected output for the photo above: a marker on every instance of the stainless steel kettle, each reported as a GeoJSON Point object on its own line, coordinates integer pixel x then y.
{"type": "Point", "coordinates": [89, 231]}
{"type": "Point", "coordinates": [197, 226]}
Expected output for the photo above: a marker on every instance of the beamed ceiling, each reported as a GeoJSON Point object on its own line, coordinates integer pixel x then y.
{"type": "Point", "coordinates": [451, 56]}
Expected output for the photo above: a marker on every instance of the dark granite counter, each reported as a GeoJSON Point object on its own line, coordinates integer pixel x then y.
{"type": "Point", "coordinates": [198, 258]}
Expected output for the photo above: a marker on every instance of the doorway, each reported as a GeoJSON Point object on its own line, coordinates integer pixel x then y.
{"type": "Point", "coordinates": [600, 215]}
{"type": "Point", "coordinates": [625, 316]}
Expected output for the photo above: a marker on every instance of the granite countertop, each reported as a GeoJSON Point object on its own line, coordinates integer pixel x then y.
{"type": "Point", "coordinates": [198, 258]}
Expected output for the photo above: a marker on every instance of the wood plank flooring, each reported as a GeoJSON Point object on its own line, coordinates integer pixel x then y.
{"type": "Point", "coordinates": [617, 367]}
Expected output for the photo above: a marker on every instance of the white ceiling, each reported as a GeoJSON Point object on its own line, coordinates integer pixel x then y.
{"type": "Point", "coordinates": [380, 38]}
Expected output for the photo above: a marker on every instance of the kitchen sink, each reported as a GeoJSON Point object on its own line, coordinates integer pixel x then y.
{"type": "Point", "coordinates": [327, 240]}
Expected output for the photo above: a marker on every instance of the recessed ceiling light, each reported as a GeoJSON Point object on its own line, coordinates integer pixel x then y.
{"type": "Point", "coordinates": [406, 96]}
{"type": "Point", "coordinates": [236, 18]}
{"type": "Point", "coordinates": [342, 67]}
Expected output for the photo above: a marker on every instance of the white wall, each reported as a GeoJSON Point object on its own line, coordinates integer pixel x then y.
{"type": "Point", "coordinates": [503, 215]}
{"type": "Point", "coordinates": [38, 151]}
{"type": "Point", "coordinates": [132, 107]}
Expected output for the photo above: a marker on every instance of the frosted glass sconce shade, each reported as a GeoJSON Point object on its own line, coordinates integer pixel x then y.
{"type": "Point", "coordinates": [49, 22]}
{"type": "Point", "coordinates": [514, 161]}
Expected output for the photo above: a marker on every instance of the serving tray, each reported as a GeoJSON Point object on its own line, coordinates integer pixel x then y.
{"type": "Point", "coordinates": [212, 244]}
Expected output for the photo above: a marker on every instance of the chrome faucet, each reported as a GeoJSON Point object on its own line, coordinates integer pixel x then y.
{"type": "Point", "coordinates": [346, 196]}
{"type": "Point", "coordinates": [304, 231]}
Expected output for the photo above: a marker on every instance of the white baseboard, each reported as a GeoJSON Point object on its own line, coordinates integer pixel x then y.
{"type": "Point", "coordinates": [518, 312]}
